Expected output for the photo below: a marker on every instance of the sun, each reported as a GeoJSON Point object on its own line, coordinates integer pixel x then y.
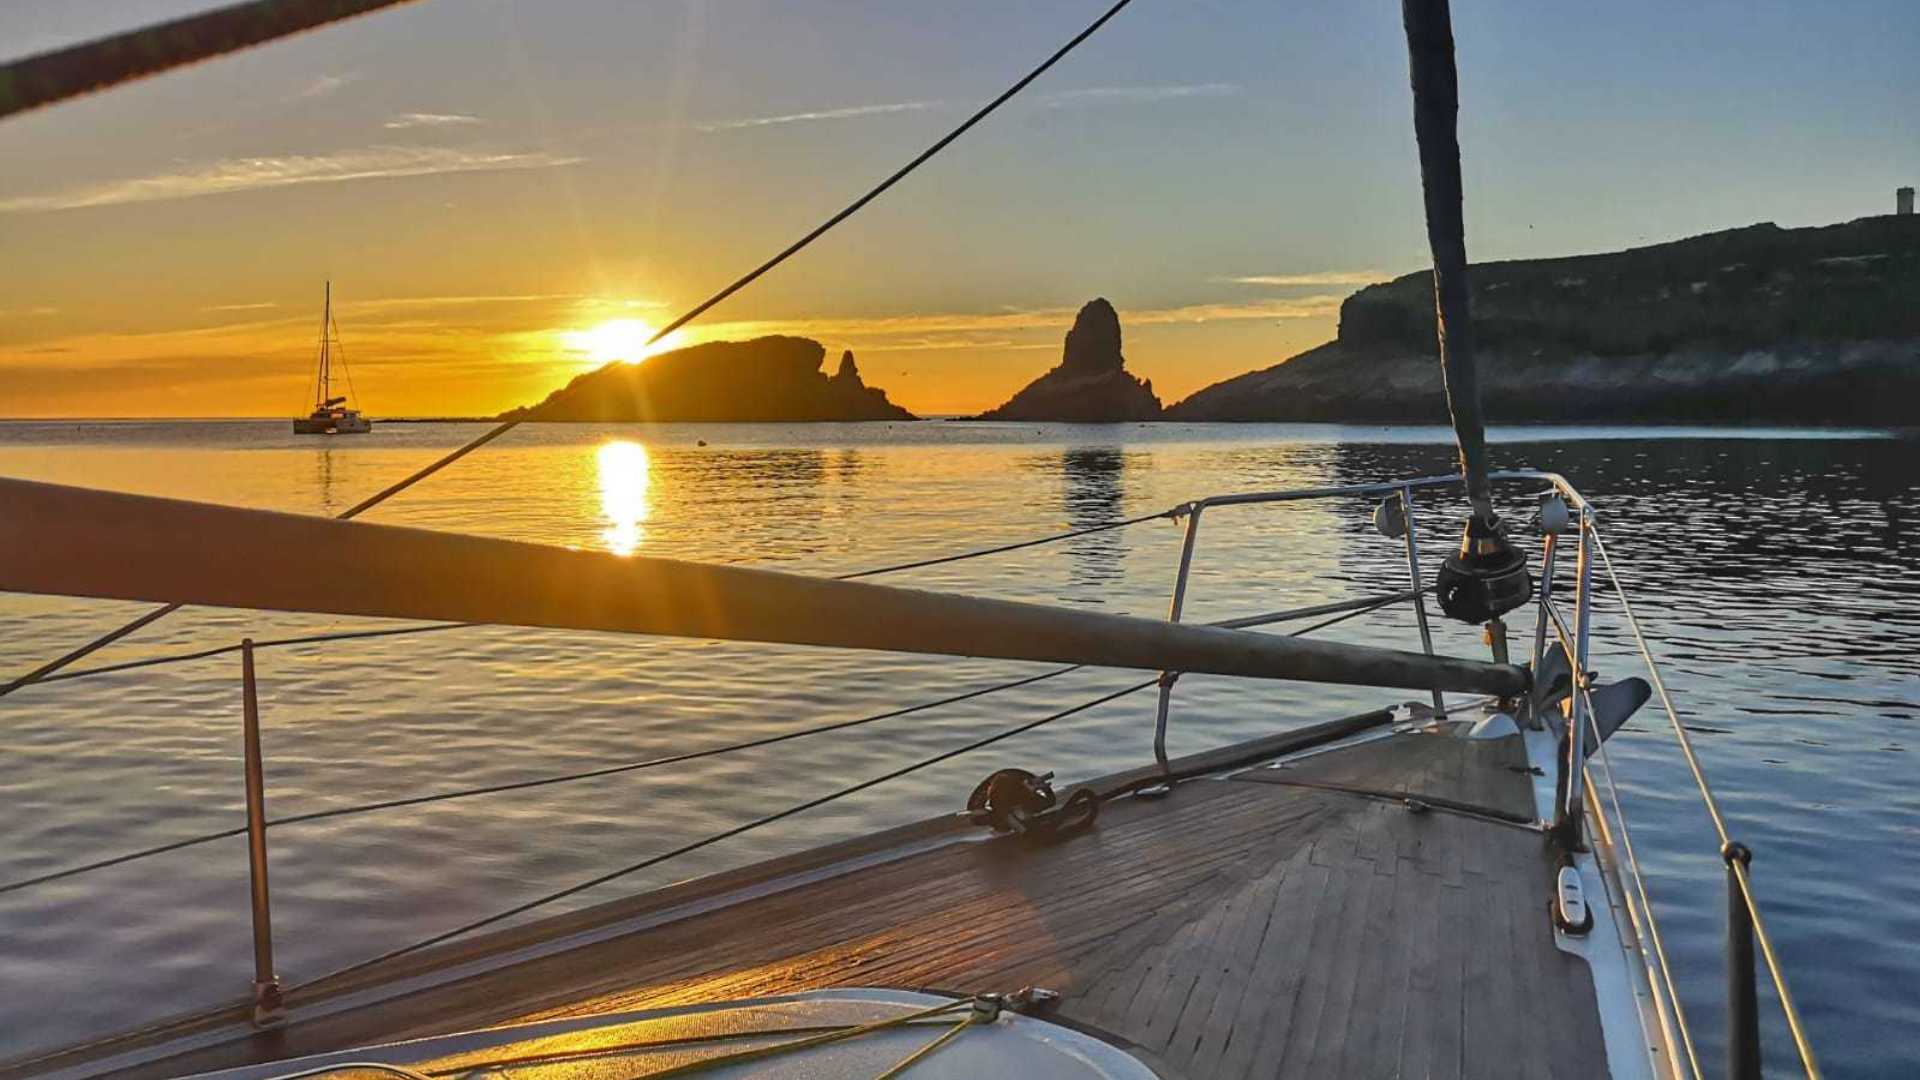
{"type": "Point", "coordinates": [616, 339]}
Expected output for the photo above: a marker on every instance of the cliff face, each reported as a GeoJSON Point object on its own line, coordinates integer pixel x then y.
{"type": "Point", "coordinates": [1091, 385]}
{"type": "Point", "coordinates": [766, 379]}
{"type": "Point", "coordinates": [1760, 324]}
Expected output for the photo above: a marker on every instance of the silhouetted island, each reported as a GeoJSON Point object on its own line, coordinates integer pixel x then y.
{"type": "Point", "coordinates": [1091, 385]}
{"type": "Point", "coordinates": [766, 379]}
{"type": "Point", "coordinates": [1761, 324]}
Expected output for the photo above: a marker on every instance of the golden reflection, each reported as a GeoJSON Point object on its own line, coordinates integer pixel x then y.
{"type": "Point", "coordinates": [624, 479]}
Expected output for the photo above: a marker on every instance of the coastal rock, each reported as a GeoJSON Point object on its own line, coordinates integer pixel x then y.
{"type": "Point", "coordinates": [1760, 324]}
{"type": "Point", "coordinates": [1091, 384]}
{"type": "Point", "coordinates": [767, 379]}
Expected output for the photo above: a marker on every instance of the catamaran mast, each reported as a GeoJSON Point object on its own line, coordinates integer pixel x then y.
{"type": "Point", "coordinates": [326, 324]}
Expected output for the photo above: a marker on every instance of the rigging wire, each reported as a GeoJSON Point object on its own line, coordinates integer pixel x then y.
{"type": "Point", "coordinates": [1353, 609]}
{"type": "Point", "coordinates": [674, 759]}
{"type": "Point", "coordinates": [270, 643]}
{"type": "Point", "coordinates": [1640, 886]}
{"type": "Point", "coordinates": [922, 563]}
{"type": "Point", "coordinates": [116, 860]}
{"type": "Point", "coordinates": [1795, 1025]}
{"type": "Point", "coordinates": [725, 834]}
{"type": "Point", "coordinates": [1671, 988]}
{"type": "Point", "coordinates": [353, 396]}
{"type": "Point", "coordinates": [765, 820]}
{"type": "Point", "coordinates": [699, 309]}
{"type": "Point", "coordinates": [634, 766]}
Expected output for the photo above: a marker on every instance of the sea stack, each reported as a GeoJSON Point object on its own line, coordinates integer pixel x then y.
{"type": "Point", "coordinates": [1091, 385]}
{"type": "Point", "coordinates": [767, 379]}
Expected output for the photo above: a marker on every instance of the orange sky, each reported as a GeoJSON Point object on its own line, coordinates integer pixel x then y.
{"type": "Point", "coordinates": [467, 355]}
{"type": "Point", "coordinates": [484, 181]}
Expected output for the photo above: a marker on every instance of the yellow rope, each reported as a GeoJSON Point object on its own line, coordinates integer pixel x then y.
{"type": "Point", "coordinates": [742, 1056]}
{"type": "Point", "coordinates": [907, 1063]}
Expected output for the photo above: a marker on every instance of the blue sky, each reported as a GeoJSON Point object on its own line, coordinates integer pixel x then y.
{"type": "Point", "coordinates": [536, 168]}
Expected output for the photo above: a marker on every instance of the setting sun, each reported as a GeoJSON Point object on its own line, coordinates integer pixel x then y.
{"type": "Point", "coordinates": [616, 339]}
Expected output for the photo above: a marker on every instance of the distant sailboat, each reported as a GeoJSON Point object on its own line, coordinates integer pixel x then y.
{"type": "Point", "coordinates": [330, 415]}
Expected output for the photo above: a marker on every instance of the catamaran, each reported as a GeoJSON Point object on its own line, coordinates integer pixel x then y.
{"type": "Point", "coordinates": [1438, 887]}
{"type": "Point", "coordinates": [331, 415]}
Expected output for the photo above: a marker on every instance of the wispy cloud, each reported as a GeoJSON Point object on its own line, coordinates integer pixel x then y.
{"type": "Point", "coordinates": [933, 327]}
{"type": "Point", "coordinates": [848, 113]}
{"type": "Point", "coordinates": [29, 312]}
{"type": "Point", "coordinates": [247, 174]}
{"type": "Point", "coordinates": [1065, 99]}
{"type": "Point", "coordinates": [401, 303]}
{"type": "Point", "coordinates": [326, 85]}
{"type": "Point", "coordinates": [261, 306]}
{"type": "Point", "coordinates": [1319, 278]}
{"type": "Point", "coordinates": [1137, 95]}
{"type": "Point", "coordinates": [429, 120]}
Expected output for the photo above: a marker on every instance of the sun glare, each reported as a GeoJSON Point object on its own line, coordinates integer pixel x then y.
{"type": "Point", "coordinates": [616, 339]}
{"type": "Point", "coordinates": [624, 480]}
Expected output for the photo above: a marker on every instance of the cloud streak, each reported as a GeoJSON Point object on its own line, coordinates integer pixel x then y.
{"type": "Point", "coordinates": [850, 112]}
{"type": "Point", "coordinates": [1136, 95]}
{"type": "Point", "coordinates": [454, 301]}
{"type": "Point", "coordinates": [326, 85]}
{"type": "Point", "coordinates": [932, 327]}
{"type": "Point", "coordinates": [1320, 278]}
{"type": "Point", "coordinates": [429, 120]}
{"type": "Point", "coordinates": [1086, 97]}
{"type": "Point", "coordinates": [229, 175]}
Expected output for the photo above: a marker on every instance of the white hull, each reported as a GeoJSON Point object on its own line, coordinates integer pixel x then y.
{"type": "Point", "coordinates": [339, 422]}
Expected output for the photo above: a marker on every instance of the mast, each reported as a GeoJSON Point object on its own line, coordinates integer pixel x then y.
{"type": "Point", "coordinates": [1488, 576]}
{"type": "Point", "coordinates": [1436, 110]}
{"type": "Point", "coordinates": [326, 324]}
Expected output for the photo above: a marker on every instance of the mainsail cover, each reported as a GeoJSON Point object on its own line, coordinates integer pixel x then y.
{"type": "Point", "coordinates": [81, 542]}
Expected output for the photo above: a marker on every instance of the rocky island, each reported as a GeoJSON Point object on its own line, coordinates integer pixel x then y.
{"type": "Point", "coordinates": [1760, 324]}
{"type": "Point", "coordinates": [1091, 384]}
{"type": "Point", "coordinates": [767, 379]}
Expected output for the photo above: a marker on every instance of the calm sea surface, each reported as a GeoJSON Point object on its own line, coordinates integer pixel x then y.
{"type": "Point", "coordinates": [1779, 571]}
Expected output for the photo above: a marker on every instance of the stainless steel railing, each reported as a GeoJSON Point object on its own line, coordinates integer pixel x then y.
{"type": "Point", "coordinates": [1551, 630]}
{"type": "Point", "coordinates": [1401, 491]}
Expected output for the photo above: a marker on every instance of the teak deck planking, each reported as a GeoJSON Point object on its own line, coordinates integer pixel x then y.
{"type": "Point", "coordinates": [1261, 925]}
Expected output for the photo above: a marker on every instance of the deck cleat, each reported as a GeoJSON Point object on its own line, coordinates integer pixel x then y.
{"type": "Point", "coordinates": [1570, 912]}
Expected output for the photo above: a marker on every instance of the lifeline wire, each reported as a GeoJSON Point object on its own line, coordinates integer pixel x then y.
{"type": "Point", "coordinates": [769, 819]}
{"type": "Point", "coordinates": [1794, 1024]}
{"type": "Point", "coordinates": [602, 879]}
{"type": "Point", "coordinates": [1365, 606]}
{"type": "Point", "coordinates": [206, 838]}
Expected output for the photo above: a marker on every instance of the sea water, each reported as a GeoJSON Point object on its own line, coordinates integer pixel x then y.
{"type": "Point", "coordinates": [1778, 572]}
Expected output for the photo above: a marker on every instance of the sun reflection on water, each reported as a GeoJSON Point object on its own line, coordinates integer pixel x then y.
{"type": "Point", "coordinates": [624, 479]}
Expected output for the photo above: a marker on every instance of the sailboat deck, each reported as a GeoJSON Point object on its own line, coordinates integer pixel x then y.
{"type": "Point", "coordinates": [1250, 925]}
